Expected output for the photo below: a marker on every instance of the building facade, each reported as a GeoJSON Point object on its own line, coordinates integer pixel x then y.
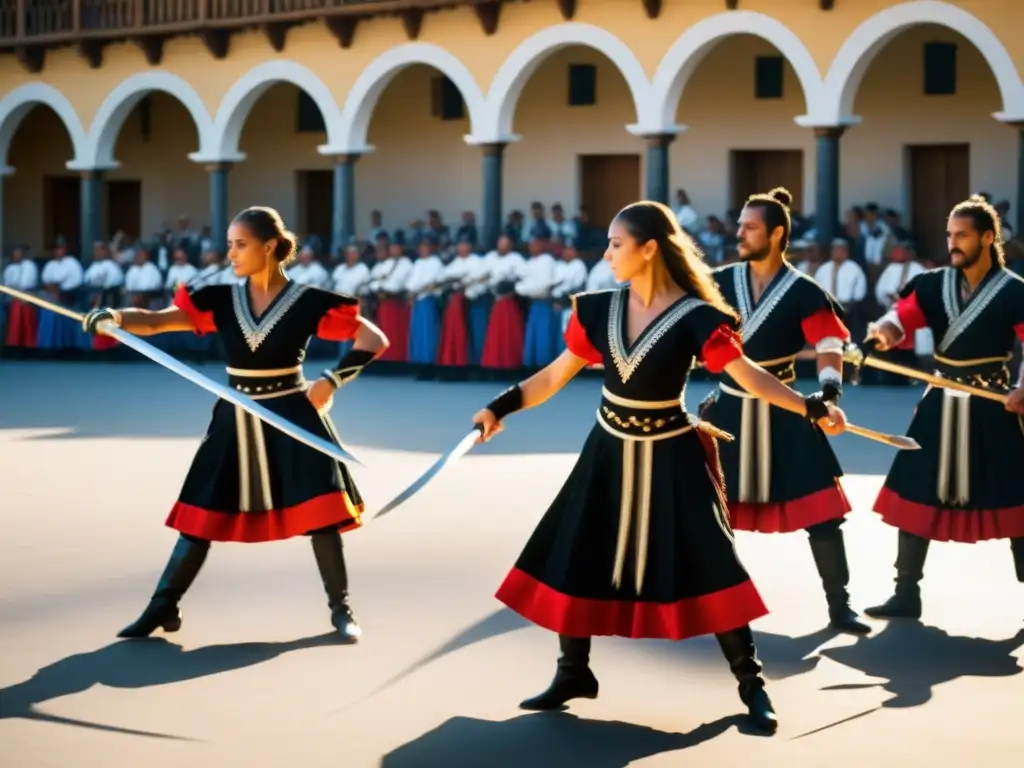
{"type": "Point", "coordinates": [119, 116]}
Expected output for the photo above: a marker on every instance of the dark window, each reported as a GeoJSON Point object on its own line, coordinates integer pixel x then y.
{"type": "Point", "coordinates": [446, 99]}
{"type": "Point", "coordinates": [308, 118]}
{"type": "Point", "coordinates": [940, 69]}
{"type": "Point", "coordinates": [768, 77]}
{"type": "Point", "coordinates": [582, 85]}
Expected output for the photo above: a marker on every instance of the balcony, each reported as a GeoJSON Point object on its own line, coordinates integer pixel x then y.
{"type": "Point", "coordinates": [28, 28]}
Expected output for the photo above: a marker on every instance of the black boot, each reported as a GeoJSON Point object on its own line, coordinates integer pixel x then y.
{"type": "Point", "coordinates": [330, 559]}
{"type": "Point", "coordinates": [573, 678]}
{"type": "Point", "coordinates": [830, 556]}
{"type": "Point", "coordinates": [906, 602]}
{"type": "Point", "coordinates": [740, 652]}
{"type": "Point", "coordinates": [1017, 548]}
{"type": "Point", "coordinates": [163, 612]}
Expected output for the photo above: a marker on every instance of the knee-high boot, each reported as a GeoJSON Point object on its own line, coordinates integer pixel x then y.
{"type": "Point", "coordinates": [829, 552]}
{"type": "Point", "coordinates": [573, 678]}
{"type": "Point", "coordinates": [163, 612]}
{"type": "Point", "coordinates": [741, 653]}
{"type": "Point", "coordinates": [330, 559]}
{"type": "Point", "coordinates": [906, 601]}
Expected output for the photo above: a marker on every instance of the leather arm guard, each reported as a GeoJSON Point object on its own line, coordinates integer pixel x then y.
{"type": "Point", "coordinates": [350, 366]}
{"type": "Point", "coordinates": [96, 316]}
{"type": "Point", "coordinates": [509, 401]}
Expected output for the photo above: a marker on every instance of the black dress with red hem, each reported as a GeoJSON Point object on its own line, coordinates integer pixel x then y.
{"type": "Point", "coordinates": [249, 482]}
{"type": "Point", "coordinates": [637, 543]}
{"type": "Point", "coordinates": [963, 484]}
{"type": "Point", "coordinates": [781, 474]}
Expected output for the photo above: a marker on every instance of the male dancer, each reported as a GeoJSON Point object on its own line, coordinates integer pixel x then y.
{"type": "Point", "coordinates": [781, 474]}
{"type": "Point", "coordinates": [964, 483]}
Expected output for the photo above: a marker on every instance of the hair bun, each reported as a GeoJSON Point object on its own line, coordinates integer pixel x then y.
{"type": "Point", "coordinates": [977, 199]}
{"type": "Point", "coordinates": [287, 244]}
{"type": "Point", "coordinates": [782, 195]}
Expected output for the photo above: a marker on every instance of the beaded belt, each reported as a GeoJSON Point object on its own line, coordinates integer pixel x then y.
{"type": "Point", "coordinates": [261, 384]}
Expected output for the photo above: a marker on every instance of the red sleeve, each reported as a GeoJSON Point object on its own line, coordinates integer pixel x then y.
{"type": "Point", "coordinates": [340, 323]}
{"type": "Point", "coordinates": [576, 341]}
{"type": "Point", "coordinates": [722, 347]}
{"type": "Point", "coordinates": [202, 321]}
{"type": "Point", "coordinates": [824, 324]}
{"type": "Point", "coordinates": [1019, 328]}
{"type": "Point", "coordinates": [910, 314]}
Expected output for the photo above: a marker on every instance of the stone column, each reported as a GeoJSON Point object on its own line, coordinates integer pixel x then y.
{"type": "Point", "coordinates": [91, 210]}
{"type": "Point", "coordinates": [657, 186]}
{"type": "Point", "coordinates": [826, 207]}
{"type": "Point", "coordinates": [219, 205]}
{"type": "Point", "coordinates": [343, 218]}
{"type": "Point", "coordinates": [490, 230]}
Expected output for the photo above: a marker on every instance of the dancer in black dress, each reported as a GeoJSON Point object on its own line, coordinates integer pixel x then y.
{"type": "Point", "coordinates": [248, 483]}
{"type": "Point", "coordinates": [963, 485]}
{"type": "Point", "coordinates": [637, 543]}
{"type": "Point", "coordinates": [781, 474]}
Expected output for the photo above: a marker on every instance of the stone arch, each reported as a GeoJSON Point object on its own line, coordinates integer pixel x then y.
{"type": "Point", "coordinates": [687, 52]}
{"type": "Point", "coordinates": [860, 48]}
{"type": "Point", "coordinates": [517, 69]}
{"type": "Point", "coordinates": [15, 106]}
{"type": "Point", "coordinates": [238, 102]}
{"type": "Point", "coordinates": [110, 117]}
{"type": "Point", "coordinates": [364, 94]}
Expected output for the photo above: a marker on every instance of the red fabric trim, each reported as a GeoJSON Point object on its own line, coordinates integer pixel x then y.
{"type": "Point", "coordinates": [910, 314]}
{"type": "Point", "coordinates": [789, 516]}
{"type": "Point", "coordinates": [719, 611]}
{"type": "Point", "coordinates": [454, 347]}
{"type": "Point", "coordinates": [101, 343]}
{"type": "Point", "coordinates": [1019, 330]}
{"type": "Point", "coordinates": [274, 525]}
{"type": "Point", "coordinates": [503, 347]}
{"type": "Point", "coordinates": [576, 341]}
{"type": "Point", "coordinates": [966, 526]}
{"type": "Point", "coordinates": [22, 325]}
{"type": "Point", "coordinates": [339, 323]}
{"type": "Point", "coordinates": [722, 347]}
{"type": "Point", "coordinates": [202, 322]}
{"type": "Point", "coordinates": [824, 324]}
{"type": "Point", "coordinates": [393, 319]}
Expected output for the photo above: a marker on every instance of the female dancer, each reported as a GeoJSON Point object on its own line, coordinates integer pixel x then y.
{"type": "Point", "coordinates": [637, 543]}
{"type": "Point", "coordinates": [246, 483]}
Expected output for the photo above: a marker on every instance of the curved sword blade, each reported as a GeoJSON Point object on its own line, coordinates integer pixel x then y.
{"type": "Point", "coordinates": [465, 446]}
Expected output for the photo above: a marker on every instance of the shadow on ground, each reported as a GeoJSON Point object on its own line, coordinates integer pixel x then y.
{"type": "Point", "coordinates": [91, 400]}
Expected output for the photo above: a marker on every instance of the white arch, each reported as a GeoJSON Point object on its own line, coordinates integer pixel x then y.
{"type": "Point", "coordinates": [861, 47]}
{"type": "Point", "coordinates": [364, 94]}
{"type": "Point", "coordinates": [110, 117]}
{"type": "Point", "coordinates": [513, 75]}
{"type": "Point", "coordinates": [237, 103]}
{"type": "Point", "coordinates": [15, 106]}
{"type": "Point", "coordinates": [687, 52]}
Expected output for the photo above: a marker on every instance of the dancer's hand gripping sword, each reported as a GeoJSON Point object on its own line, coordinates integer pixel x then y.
{"type": "Point", "coordinates": [247, 404]}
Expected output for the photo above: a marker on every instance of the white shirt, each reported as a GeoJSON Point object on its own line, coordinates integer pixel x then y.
{"type": "Point", "coordinates": [468, 273]}
{"type": "Point", "coordinates": [214, 274]}
{"type": "Point", "coordinates": [143, 278]}
{"type": "Point", "coordinates": [564, 230]}
{"type": "Point", "coordinates": [601, 277]}
{"type": "Point", "coordinates": [309, 274]}
{"type": "Point", "coordinates": [105, 274]}
{"type": "Point", "coordinates": [425, 271]}
{"type": "Point", "coordinates": [687, 216]}
{"type": "Point", "coordinates": [390, 275]}
{"type": "Point", "coordinates": [894, 277]}
{"type": "Point", "coordinates": [509, 267]}
{"type": "Point", "coordinates": [65, 273]}
{"type": "Point", "coordinates": [849, 284]}
{"type": "Point", "coordinates": [23, 276]}
{"type": "Point", "coordinates": [351, 280]}
{"type": "Point", "coordinates": [538, 277]}
{"type": "Point", "coordinates": [570, 278]}
{"type": "Point", "coordinates": [874, 247]}
{"type": "Point", "coordinates": [178, 274]}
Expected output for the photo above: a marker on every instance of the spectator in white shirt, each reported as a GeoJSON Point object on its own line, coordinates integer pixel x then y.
{"type": "Point", "coordinates": [876, 236]}
{"type": "Point", "coordinates": [309, 271]}
{"type": "Point", "coordinates": [352, 277]}
{"type": "Point", "coordinates": [62, 282]}
{"type": "Point", "coordinates": [570, 278]}
{"type": "Point", "coordinates": [562, 230]}
{"type": "Point", "coordinates": [846, 281]}
{"type": "Point", "coordinates": [180, 272]}
{"type": "Point", "coordinates": [901, 269]}
{"type": "Point", "coordinates": [685, 212]}
{"type": "Point", "coordinates": [21, 327]}
{"type": "Point", "coordinates": [103, 279]}
{"type": "Point", "coordinates": [143, 282]}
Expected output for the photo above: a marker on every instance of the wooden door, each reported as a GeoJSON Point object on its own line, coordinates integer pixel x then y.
{"type": "Point", "coordinates": [62, 206]}
{"type": "Point", "coordinates": [755, 171]}
{"type": "Point", "coordinates": [608, 183]}
{"type": "Point", "coordinates": [939, 179]}
{"type": "Point", "coordinates": [124, 210]}
{"type": "Point", "coordinates": [316, 203]}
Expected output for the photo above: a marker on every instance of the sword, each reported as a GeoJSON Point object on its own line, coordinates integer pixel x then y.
{"type": "Point", "coordinates": [225, 393]}
{"type": "Point", "coordinates": [465, 445]}
{"type": "Point", "coordinates": [896, 441]}
{"type": "Point", "coordinates": [856, 356]}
